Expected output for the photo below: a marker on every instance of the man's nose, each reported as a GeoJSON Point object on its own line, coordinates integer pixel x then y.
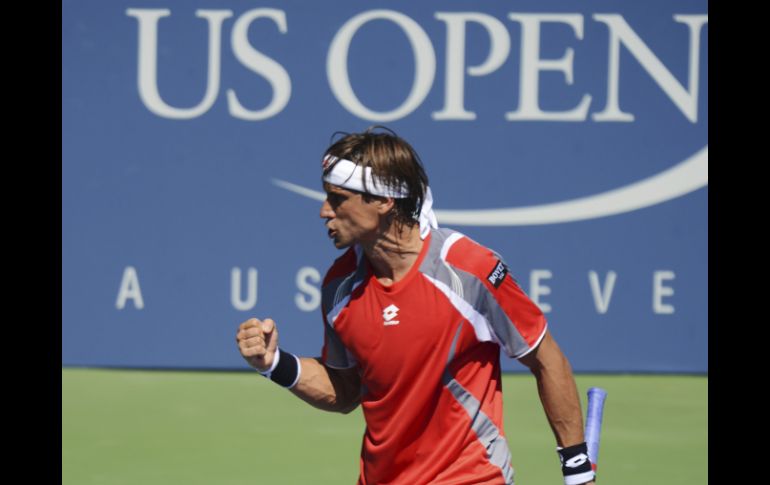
{"type": "Point", "coordinates": [326, 210]}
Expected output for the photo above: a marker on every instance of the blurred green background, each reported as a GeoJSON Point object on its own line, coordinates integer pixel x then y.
{"type": "Point", "coordinates": [132, 427]}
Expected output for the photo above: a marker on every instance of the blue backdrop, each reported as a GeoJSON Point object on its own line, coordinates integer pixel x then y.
{"type": "Point", "coordinates": [571, 138]}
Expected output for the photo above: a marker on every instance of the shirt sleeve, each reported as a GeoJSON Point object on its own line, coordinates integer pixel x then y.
{"type": "Point", "coordinates": [334, 353]}
{"type": "Point", "coordinates": [520, 324]}
{"type": "Point", "coordinates": [514, 320]}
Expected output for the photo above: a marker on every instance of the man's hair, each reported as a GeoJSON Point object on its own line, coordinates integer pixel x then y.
{"type": "Point", "coordinates": [393, 160]}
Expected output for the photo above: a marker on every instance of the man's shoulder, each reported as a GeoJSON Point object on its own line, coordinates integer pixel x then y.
{"type": "Point", "coordinates": [463, 252]}
{"type": "Point", "coordinates": [457, 244]}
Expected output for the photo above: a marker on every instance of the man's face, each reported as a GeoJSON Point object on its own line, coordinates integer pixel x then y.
{"type": "Point", "coordinates": [349, 218]}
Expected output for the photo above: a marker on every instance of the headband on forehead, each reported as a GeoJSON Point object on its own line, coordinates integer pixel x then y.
{"type": "Point", "coordinates": [348, 175]}
{"type": "Point", "coordinates": [351, 176]}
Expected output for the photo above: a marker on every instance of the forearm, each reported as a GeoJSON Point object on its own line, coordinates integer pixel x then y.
{"type": "Point", "coordinates": [326, 388]}
{"type": "Point", "coordinates": [559, 396]}
{"type": "Point", "coordinates": [309, 379]}
{"type": "Point", "coordinates": [557, 390]}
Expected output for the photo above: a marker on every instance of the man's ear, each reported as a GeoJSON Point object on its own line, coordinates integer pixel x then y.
{"type": "Point", "coordinates": [385, 204]}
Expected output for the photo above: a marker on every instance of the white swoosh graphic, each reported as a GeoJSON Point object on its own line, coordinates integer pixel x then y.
{"type": "Point", "coordinates": [681, 179]}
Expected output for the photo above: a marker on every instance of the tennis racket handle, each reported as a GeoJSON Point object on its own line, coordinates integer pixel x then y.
{"type": "Point", "coordinates": [596, 397]}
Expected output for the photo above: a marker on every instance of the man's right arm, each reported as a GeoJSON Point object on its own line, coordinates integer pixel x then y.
{"type": "Point", "coordinates": [336, 390]}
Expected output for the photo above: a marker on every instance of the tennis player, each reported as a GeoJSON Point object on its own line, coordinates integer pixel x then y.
{"type": "Point", "coordinates": [414, 320]}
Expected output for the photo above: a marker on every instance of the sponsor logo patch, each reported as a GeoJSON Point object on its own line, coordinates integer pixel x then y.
{"type": "Point", "coordinates": [497, 275]}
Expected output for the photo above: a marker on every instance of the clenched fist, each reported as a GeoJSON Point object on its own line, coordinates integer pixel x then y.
{"type": "Point", "coordinates": [258, 342]}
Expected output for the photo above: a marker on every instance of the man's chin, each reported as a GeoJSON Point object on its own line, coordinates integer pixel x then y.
{"type": "Point", "coordinates": [341, 244]}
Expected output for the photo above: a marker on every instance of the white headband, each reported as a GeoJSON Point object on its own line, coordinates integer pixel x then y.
{"type": "Point", "coordinates": [349, 175]}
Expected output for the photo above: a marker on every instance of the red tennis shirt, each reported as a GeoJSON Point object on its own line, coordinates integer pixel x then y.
{"type": "Point", "coordinates": [428, 351]}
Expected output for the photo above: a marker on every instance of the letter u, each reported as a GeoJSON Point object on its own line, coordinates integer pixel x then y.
{"type": "Point", "coordinates": [148, 61]}
{"type": "Point", "coordinates": [235, 290]}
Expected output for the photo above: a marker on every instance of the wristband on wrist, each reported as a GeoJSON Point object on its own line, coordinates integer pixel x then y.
{"type": "Point", "coordinates": [285, 370]}
{"type": "Point", "coordinates": [575, 464]}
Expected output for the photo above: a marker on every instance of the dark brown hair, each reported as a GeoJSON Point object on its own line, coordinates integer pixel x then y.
{"type": "Point", "coordinates": [393, 160]}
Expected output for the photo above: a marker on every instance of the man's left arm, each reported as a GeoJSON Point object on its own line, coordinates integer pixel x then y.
{"type": "Point", "coordinates": [558, 392]}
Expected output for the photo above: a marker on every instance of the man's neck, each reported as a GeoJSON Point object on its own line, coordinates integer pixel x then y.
{"type": "Point", "coordinates": [394, 253]}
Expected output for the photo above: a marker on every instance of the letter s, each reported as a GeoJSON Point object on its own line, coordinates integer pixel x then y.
{"type": "Point", "coordinates": [272, 71]}
{"type": "Point", "coordinates": [303, 302]}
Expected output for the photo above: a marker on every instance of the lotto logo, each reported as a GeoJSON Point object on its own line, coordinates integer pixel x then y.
{"type": "Point", "coordinates": [576, 461]}
{"type": "Point", "coordinates": [389, 314]}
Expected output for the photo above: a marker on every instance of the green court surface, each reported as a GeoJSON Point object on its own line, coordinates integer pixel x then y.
{"type": "Point", "coordinates": [221, 428]}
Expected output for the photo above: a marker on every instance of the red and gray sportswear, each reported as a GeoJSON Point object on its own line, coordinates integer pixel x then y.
{"type": "Point", "coordinates": [428, 352]}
